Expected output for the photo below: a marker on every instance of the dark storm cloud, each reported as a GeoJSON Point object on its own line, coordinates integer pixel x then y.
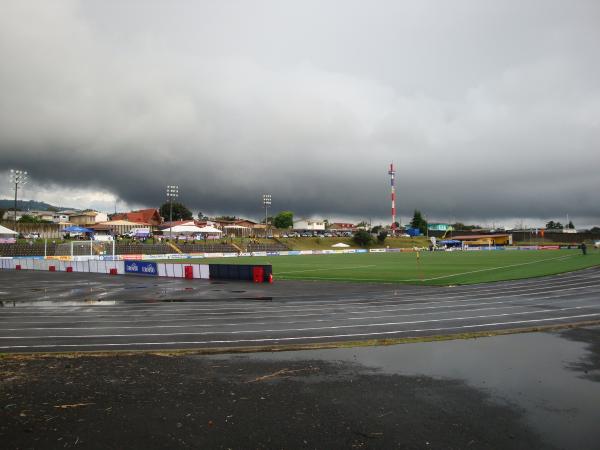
{"type": "Point", "coordinates": [489, 110]}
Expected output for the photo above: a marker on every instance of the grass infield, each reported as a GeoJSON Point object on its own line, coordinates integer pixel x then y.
{"type": "Point", "coordinates": [431, 268]}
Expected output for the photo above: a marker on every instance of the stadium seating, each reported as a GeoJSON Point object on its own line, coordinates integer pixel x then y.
{"type": "Point", "coordinates": [270, 247]}
{"type": "Point", "coordinates": [26, 249]}
{"type": "Point", "coordinates": [207, 248]}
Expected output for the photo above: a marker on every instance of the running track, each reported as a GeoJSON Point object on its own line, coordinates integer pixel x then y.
{"type": "Point", "coordinates": [58, 312]}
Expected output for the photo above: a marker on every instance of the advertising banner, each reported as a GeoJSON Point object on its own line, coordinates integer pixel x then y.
{"type": "Point", "coordinates": [141, 268]}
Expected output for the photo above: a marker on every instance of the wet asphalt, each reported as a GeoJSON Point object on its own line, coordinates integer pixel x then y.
{"type": "Point", "coordinates": [58, 312]}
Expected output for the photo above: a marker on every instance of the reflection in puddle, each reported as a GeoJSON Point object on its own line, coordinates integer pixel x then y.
{"type": "Point", "coordinates": [55, 303]}
{"type": "Point", "coordinates": [533, 372]}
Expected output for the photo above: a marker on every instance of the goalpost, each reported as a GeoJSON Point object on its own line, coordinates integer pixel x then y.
{"type": "Point", "coordinates": [91, 248]}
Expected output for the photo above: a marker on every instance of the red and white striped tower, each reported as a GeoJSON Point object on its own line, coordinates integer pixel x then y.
{"type": "Point", "coordinates": [392, 174]}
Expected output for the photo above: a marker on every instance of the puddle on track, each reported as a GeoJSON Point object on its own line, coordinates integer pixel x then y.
{"type": "Point", "coordinates": [538, 373]}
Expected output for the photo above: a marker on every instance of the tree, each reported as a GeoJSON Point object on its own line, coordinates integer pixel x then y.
{"type": "Point", "coordinates": [419, 222]}
{"type": "Point", "coordinates": [552, 225]}
{"type": "Point", "coordinates": [376, 229]}
{"type": "Point", "coordinates": [362, 238]}
{"type": "Point", "coordinates": [180, 211]}
{"type": "Point", "coordinates": [570, 225]}
{"type": "Point", "coordinates": [284, 219]}
{"type": "Point", "coordinates": [381, 236]}
{"type": "Point", "coordinates": [201, 216]}
{"type": "Point", "coordinates": [31, 219]}
{"type": "Point", "coordinates": [226, 218]}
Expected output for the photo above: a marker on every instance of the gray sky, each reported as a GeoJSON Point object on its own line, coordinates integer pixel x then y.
{"type": "Point", "coordinates": [490, 110]}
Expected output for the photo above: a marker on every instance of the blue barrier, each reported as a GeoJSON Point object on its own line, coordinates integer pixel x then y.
{"type": "Point", "coordinates": [141, 268]}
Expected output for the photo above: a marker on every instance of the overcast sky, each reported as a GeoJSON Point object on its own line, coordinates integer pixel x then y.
{"type": "Point", "coordinates": [489, 109]}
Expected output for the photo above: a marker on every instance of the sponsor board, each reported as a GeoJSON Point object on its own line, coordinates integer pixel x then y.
{"type": "Point", "coordinates": [59, 258]}
{"type": "Point", "coordinates": [272, 253]}
{"type": "Point", "coordinates": [306, 252]}
{"type": "Point", "coordinates": [294, 253]}
{"type": "Point", "coordinates": [147, 257]}
{"type": "Point", "coordinates": [134, 257]}
{"type": "Point", "coordinates": [378, 250]}
{"type": "Point", "coordinates": [141, 268]}
{"type": "Point", "coordinates": [549, 247]}
{"type": "Point", "coordinates": [259, 253]}
{"type": "Point", "coordinates": [361, 250]}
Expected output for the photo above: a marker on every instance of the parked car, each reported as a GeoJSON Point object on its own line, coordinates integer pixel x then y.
{"type": "Point", "coordinates": [597, 244]}
{"type": "Point", "coordinates": [103, 237]}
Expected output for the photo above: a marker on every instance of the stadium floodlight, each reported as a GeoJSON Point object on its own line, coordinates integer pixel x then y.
{"type": "Point", "coordinates": [19, 179]}
{"type": "Point", "coordinates": [266, 204]}
{"type": "Point", "coordinates": [172, 192]}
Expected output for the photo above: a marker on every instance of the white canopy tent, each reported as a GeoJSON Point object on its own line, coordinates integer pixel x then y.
{"type": "Point", "coordinates": [210, 230]}
{"type": "Point", "coordinates": [340, 245]}
{"type": "Point", "coordinates": [7, 235]}
{"type": "Point", "coordinates": [183, 230]}
{"type": "Point", "coordinates": [6, 231]}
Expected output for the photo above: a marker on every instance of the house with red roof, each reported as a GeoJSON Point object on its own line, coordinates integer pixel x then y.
{"type": "Point", "coordinates": [148, 216]}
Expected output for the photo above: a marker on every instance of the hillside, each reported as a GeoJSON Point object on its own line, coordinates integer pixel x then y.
{"type": "Point", "coordinates": [29, 205]}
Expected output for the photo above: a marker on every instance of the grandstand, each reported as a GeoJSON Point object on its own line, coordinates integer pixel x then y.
{"type": "Point", "coordinates": [206, 248]}
{"type": "Point", "coordinates": [270, 247]}
{"type": "Point", "coordinates": [131, 248]}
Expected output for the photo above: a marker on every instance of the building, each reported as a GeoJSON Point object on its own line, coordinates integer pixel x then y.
{"type": "Point", "coordinates": [309, 225]}
{"type": "Point", "coordinates": [149, 216]}
{"type": "Point", "coordinates": [119, 227]}
{"type": "Point", "coordinates": [342, 226]}
{"type": "Point", "coordinates": [87, 218]}
{"type": "Point", "coordinates": [439, 227]}
{"type": "Point", "coordinates": [485, 239]}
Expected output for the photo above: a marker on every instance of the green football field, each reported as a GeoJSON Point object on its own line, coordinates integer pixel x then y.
{"type": "Point", "coordinates": [434, 268]}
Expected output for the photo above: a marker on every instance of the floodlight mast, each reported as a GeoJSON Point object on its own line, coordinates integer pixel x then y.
{"type": "Point", "coordinates": [19, 178]}
{"type": "Point", "coordinates": [172, 192]}
{"type": "Point", "coordinates": [392, 174]}
{"type": "Point", "coordinates": [266, 204]}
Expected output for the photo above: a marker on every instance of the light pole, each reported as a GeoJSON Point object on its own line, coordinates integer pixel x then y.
{"type": "Point", "coordinates": [19, 178]}
{"type": "Point", "coordinates": [266, 204]}
{"type": "Point", "coordinates": [172, 192]}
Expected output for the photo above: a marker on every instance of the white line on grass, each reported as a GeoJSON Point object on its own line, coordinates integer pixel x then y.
{"type": "Point", "coordinates": [329, 268]}
{"type": "Point", "coordinates": [451, 275]}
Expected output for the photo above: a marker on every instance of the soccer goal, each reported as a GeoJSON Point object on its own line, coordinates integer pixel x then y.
{"type": "Point", "coordinates": [86, 248]}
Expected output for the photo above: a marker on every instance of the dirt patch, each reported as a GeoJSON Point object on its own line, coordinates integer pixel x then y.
{"type": "Point", "coordinates": [150, 401]}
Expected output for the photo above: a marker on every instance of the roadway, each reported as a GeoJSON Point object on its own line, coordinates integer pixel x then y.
{"type": "Point", "coordinates": [64, 312]}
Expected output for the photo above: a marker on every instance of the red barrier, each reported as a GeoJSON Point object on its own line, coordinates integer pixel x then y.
{"type": "Point", "coordinates": [188, 272]}
{"type": "Point", "coordinates": [18, 267]}
{"type": "Point", "coordinates": [258, 274]}
{"type": "Point", "coordinates": [69, 269]}
{"type": "Point", "coordinates": [271, 278]}
{"type": "Point", "coordinates": [52, 268]}
{"type": "Point", "coordinates": [113, 271]}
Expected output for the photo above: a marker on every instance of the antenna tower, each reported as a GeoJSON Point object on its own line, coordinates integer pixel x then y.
{"type": "Point", "coordinates": [392, 174]}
